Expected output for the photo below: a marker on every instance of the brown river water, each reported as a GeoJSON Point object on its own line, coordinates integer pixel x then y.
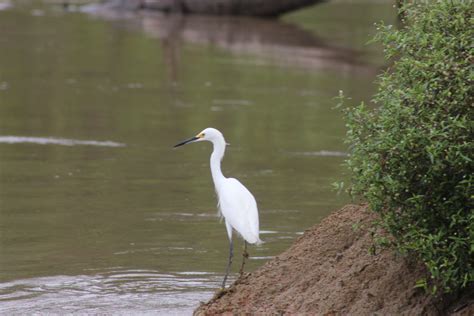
{"type": "Point", "coordinates": [98, 214]}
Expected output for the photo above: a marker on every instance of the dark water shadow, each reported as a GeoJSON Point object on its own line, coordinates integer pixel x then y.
{"type": "Point", "coordinates": [274, 41]}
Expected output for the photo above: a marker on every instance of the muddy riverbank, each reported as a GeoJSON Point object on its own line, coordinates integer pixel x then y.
{"type": "Point", "coordinates": [330, 271]}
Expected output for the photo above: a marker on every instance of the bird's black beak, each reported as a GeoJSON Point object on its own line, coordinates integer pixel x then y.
{"type": "Point", "coordinates": [192, 139]}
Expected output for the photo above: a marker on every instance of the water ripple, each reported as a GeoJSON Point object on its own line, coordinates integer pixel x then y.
{"type": "Point", "coordinates": [322, 153]}
{"type": "Point", "coordinates": [116, 291]}
{"type": "Point", "coordinates": [57, 141]}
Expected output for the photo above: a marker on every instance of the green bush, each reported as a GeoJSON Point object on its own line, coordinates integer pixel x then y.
{"type": "Point", "coordinates": [412, 153]}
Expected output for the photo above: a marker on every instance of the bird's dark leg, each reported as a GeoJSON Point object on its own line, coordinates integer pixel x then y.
{"type": "Point", "coordinates": [245, 255]}
{"type": "Point", "coordinates": [229, 263]}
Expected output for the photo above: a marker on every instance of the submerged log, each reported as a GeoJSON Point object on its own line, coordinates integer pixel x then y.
{"type": "Point", "coordinates": [263, 8]}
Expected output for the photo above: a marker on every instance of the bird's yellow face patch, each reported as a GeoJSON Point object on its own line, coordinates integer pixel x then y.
{"type": "Point", "coordinates": [200, 135]}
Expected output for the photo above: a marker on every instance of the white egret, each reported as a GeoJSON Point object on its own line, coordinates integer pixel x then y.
{"type": "Point", "coordinates": [235, 202]}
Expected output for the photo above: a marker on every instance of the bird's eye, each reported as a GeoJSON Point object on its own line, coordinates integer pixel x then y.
{"type": "Point", "coordinates": [202, 134]}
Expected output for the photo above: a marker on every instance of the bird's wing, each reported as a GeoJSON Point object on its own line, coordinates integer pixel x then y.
{"type": "Point", "coordinates": [239, 208]}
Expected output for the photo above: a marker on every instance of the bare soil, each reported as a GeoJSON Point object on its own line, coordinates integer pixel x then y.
{"type": "Point", "coordinates": [329, 270]}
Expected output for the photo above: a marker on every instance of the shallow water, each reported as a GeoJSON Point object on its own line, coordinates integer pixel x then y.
{"type": "Point", "coordinates": [111, 292]}
{"type": "Point", "coordinates": [98, 214]}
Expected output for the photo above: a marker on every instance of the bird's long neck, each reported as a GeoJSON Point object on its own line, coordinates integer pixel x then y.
{"type": "Point", "coordinates": [216, 158]}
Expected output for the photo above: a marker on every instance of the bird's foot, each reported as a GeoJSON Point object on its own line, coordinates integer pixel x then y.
{"type": "Point", "coordinates": [242, 273]}
{"type": "Point", "coordinates": [219, 293]}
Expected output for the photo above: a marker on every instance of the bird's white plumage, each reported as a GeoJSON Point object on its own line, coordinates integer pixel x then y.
{"type": "Point", "coordinates": [236, 204]}
{"type": "Point", "coordinates": [239, 209]}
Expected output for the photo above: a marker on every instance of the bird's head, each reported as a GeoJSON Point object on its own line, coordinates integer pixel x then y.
{"type": "Point", "coordinates": [210, 134]}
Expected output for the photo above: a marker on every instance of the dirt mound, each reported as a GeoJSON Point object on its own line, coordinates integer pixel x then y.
{"type": "Point", "coordinates": [330, 271]}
